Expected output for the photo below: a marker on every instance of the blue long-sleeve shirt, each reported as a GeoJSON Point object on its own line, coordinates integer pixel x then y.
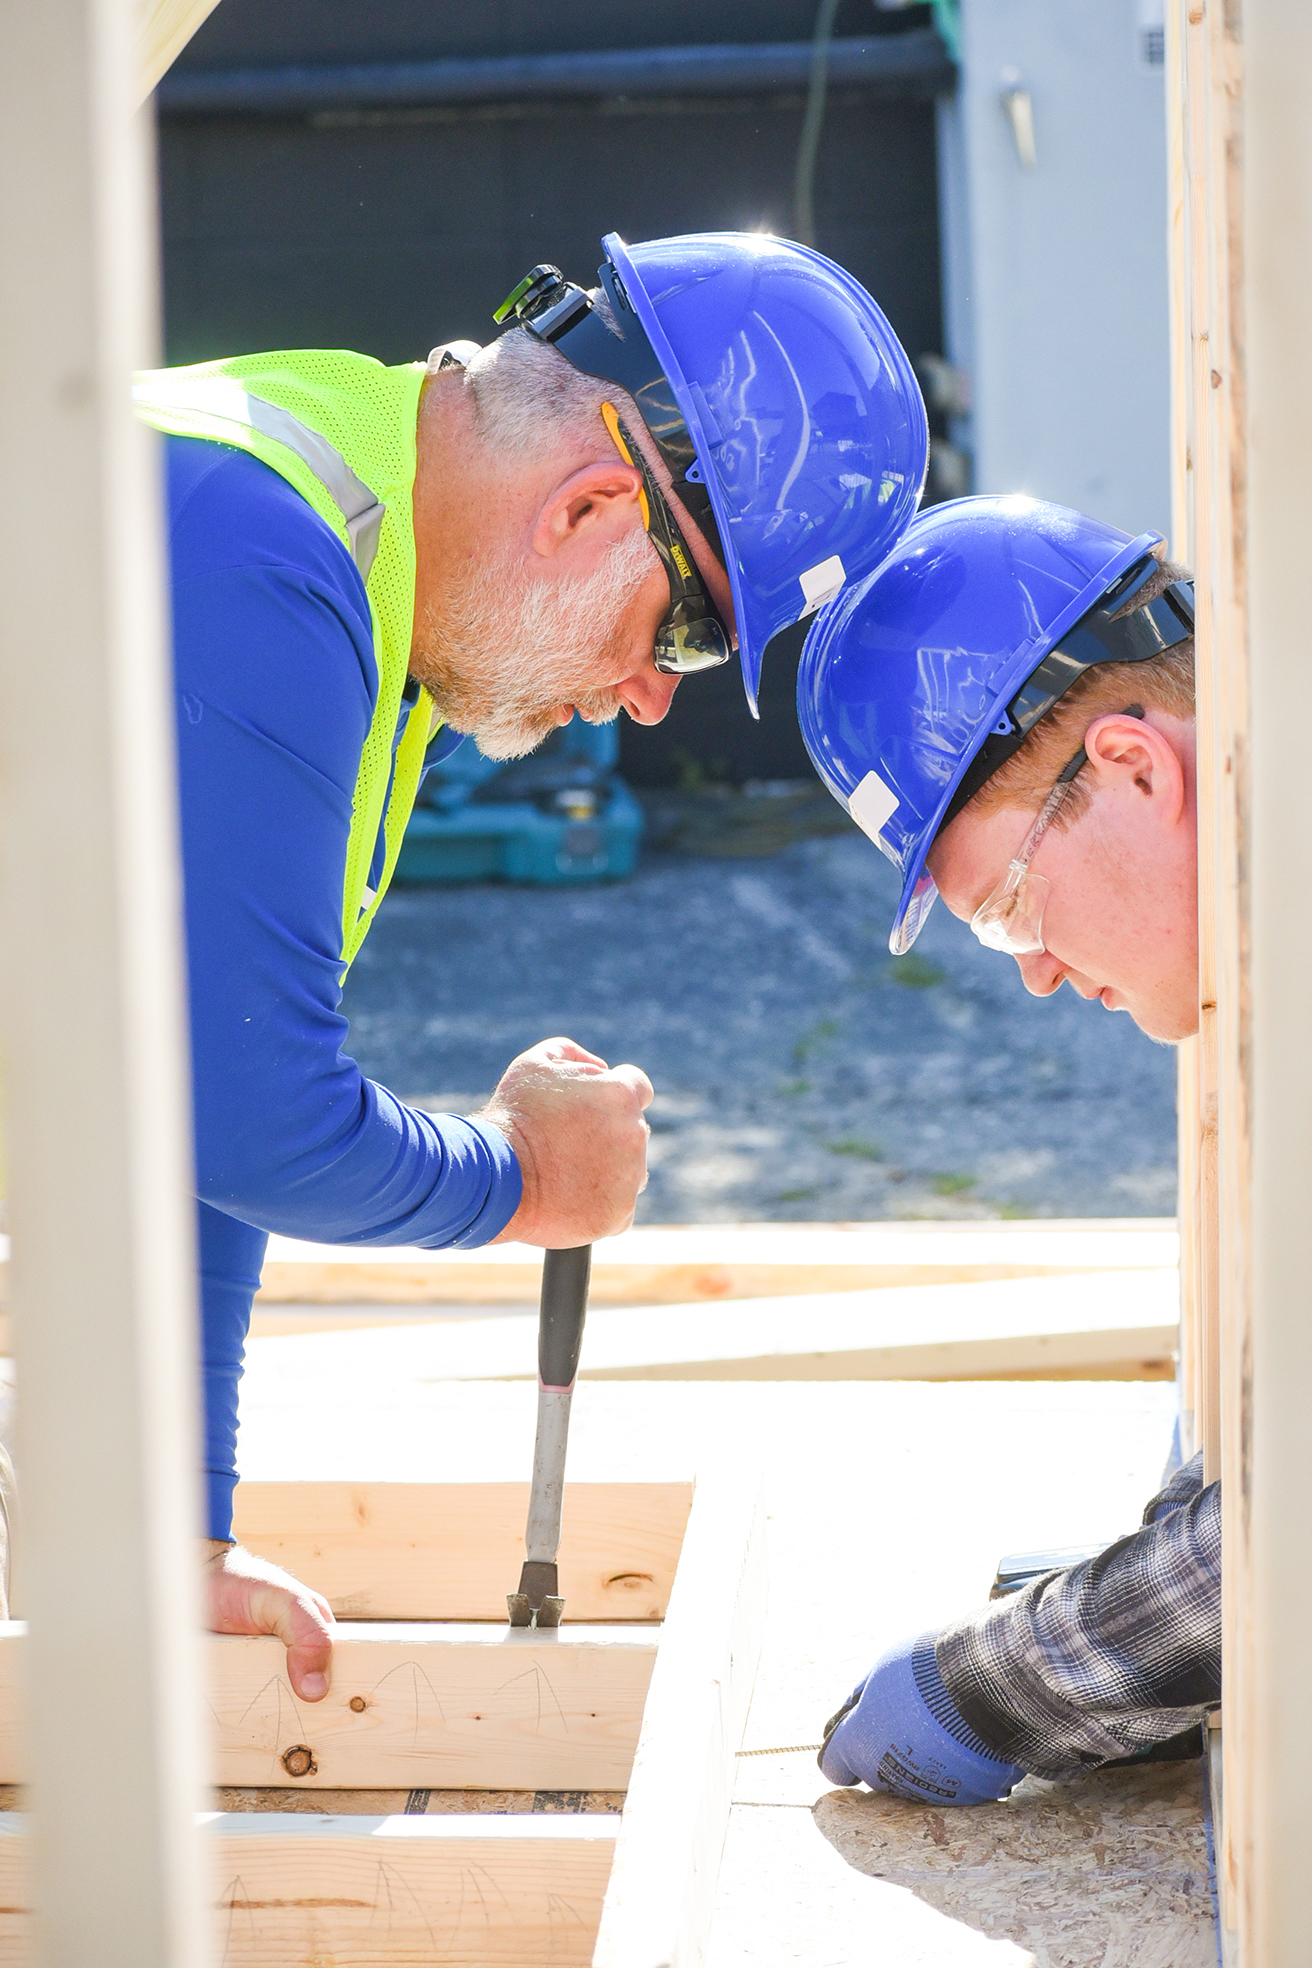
{"type": "Point", "coordinates": [276, 684]}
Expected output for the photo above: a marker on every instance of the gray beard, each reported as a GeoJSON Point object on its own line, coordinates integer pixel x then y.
{"type": "Point", "coordinates": [507, 651]}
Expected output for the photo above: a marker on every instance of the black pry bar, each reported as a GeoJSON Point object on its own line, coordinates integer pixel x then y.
{"type": "Point", "coordinates": [565, 1275]}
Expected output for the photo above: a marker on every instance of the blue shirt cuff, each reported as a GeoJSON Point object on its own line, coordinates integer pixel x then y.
{"type": "Point", "coordinates": [219, 1487]}
{"type": "Point", "coordinates": [505, 1186]}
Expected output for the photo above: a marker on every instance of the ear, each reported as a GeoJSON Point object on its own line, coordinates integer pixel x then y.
{"type": "Point", "coordinates": [1132, 752]}
{"type": "Point", "coordinates": [593, 506]}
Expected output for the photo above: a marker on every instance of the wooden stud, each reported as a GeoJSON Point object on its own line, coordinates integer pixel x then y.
{"type": "Point", "coordinates": [451, 1551]}
{"type": "Point", "coordinates": [1266, 1085]}
{"type": "Point", "coordinates": [356, 1892]}
{"type": "Point", "coordinates": [413, 1705]}
{"type": "Point", "coordinates": [104, 1286]}
{"type": "Point", "coordinates": [1121, 1323]}
{"type": "Point", "coordinates": [1248, 229]}
{"type": "Point", "coordinates": [1190, 482]}
{"type": "Point", "coordinates": [679, 1264]}
{"type": "Point", "coordinates": [662, 1889]}
{"type": "Point", "coordinates": [1212, 473]}
{"type": "Point", "coordinates": [676, 1264]}
{"type": "Point", "coordinates": [164, 28]}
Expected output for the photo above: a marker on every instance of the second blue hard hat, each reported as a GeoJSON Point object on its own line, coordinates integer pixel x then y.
{"type": "Point", "coordinates": [792, 411]}
{"type": "Point", "coordinates": [946, 648]}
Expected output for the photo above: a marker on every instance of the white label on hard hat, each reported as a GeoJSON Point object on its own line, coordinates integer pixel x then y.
{"type": "Point", "coordinates": [820, 584]}
{"type": "Point", "coordinates": [871, 805]}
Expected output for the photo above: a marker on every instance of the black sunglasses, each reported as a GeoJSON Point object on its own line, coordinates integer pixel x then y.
{"type": "Point", "coordinates": [692, 635]}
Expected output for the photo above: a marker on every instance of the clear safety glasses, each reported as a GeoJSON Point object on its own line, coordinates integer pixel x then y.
{"type": "Point", "coordinates": [692, 635]}
{"type": "Point", "coordinates": [1011, 918]}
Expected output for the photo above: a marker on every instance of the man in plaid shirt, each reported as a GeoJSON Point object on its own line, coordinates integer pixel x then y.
{"type": "Point", "coordinates": [1006, 707]}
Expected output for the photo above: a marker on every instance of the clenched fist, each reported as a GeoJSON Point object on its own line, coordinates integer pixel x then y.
{"type": "Point", "coordinates": [577, 1130]}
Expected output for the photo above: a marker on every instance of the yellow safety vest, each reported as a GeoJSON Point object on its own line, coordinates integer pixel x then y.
{"type": "Point", "coordinates": [341, 429]}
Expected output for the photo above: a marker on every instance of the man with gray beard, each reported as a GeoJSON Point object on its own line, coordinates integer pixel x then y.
{"type": "Point", "coordinates": [368, 562]}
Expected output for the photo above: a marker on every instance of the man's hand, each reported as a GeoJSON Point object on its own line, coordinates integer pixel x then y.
{"type": "Point", "coordinates": [243, 1594]}
{"type": "Point", "coordinates": [577, 1130]}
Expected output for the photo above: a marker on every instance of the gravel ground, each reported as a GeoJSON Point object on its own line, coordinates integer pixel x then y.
{"type": "Point", "coordinates": [800, 1071]}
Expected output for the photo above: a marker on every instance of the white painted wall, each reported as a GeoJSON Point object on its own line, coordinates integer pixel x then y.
{"type": "Point", "coordinates": [1056, 276]}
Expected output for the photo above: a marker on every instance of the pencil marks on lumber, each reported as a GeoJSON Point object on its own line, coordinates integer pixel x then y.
{"type": "Point", "coordinates": [540, 1698]}
{"type": "Point", "coordinates": [411, 1686]}
{"type": "Point", "coordinates": [466, 1913]}
{"type": "Point", "coordinates": [276, 1721]}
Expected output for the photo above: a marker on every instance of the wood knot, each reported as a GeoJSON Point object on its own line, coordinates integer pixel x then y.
{"type": "Point", "coordinates": [714, 1283]}
{"type": "Point", "coordinates": [358, 1704]}
{"type": "Point", "coordinates": [299, 1761]}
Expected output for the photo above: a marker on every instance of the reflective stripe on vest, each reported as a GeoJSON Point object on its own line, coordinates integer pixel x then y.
{"type": "Point", "coordinates": [371, 411]}
{"type": "Point", "coordinates": [222, 399]}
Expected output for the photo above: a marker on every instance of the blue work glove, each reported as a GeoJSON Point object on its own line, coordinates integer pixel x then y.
{"type": "Point", "coordinates": [901, 1732]}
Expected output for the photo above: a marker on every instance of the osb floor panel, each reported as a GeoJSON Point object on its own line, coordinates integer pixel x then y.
{"type": "Point", "coordinates": [1107, 1872]}
{"type": "Point", "coordinates": [885, 1523]}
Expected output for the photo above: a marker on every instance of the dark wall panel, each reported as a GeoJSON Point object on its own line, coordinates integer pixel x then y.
{"type": "Point", "coordinates": [267, 33]}
{"type": "Point", "coordinates": [391, 232]}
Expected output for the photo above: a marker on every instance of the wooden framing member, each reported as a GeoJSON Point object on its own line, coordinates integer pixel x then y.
{"type": "Point", "coordinates": [343, 1892]}
{"type": "Point", "coordinates": [1094, 1325]}
{"type": "Point", "coordinates": [1210, 520]}
{"type": "Point", "coordinates": [683, 1264]}
{"type": "Point", "coordinates": [678, 1264]}
{"type": "Point", "coordinates": [104, 1284]}
{"type": "Point", "coordinates": [449, 1707]}
{"type": "Point", "coordinates": [164, 28]}
{"type": "Point", "coordinates": [347, 1892]}
{"type": "Point", "coordinates": [1266, 1051]}
{"type": "Point", "coordinates": [662, 1889]}
{"type": "Point", "coordinates": [1244, 426]}
{"type": "Point", "coordinates": [446, 1551]}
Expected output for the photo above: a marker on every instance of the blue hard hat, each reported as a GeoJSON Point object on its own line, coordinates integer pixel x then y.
{"type": "Point", "coordinates": [946, 648]}
{"type": "Point", "coordinates": [797, 431]}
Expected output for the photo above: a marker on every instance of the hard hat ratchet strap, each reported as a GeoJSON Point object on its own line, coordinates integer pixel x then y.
{"type": "Point", "coordinates": [561, 313]}
{"type": "Point", "coordinates": [1102, 636]}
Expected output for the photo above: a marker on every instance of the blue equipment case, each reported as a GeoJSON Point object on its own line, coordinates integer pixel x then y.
{"type": "Point", "coordinates": [561, 815]}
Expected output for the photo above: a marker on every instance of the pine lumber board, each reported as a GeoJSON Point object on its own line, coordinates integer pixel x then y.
{"type": "Point", "coordinates": [1084, 1325]}
{"type": "Point", "coordinates": [369, 1892]}
{"type": "Point", "coordinates": [661, 1894]}
{"type": "Point", "coordinates": [105, 1299]}
{"type": "Point", "coordinates": [164, 28]}
{"type": "Point", "coordinates": [451, 1551]}
{"type": "Point", "coordinates": [1237, 124]}
{"type": "Point", "coordinates": [444, 1706]}
{"type": "Point", "coordinates": [676, 1264]}
{"type": "Point", "coordinates": [888, 1507]}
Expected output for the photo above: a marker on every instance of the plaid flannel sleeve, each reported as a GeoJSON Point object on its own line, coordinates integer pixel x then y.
{"type": "Point", "coordinates": [1107, 1659]}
